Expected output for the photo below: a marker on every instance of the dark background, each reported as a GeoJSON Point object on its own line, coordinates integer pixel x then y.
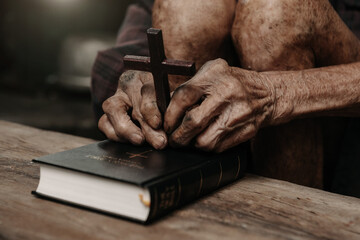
{"type": "Point", "coordinates": [45, 46]}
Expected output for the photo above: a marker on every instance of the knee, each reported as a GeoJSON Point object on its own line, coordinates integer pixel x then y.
{"type": "Point", "coordinates": [194, 27]}
{"type": "Point", "coordinates": [194, 16]}
{"type": "Point", "coordinates": [263, 31]}
{"type": "Point", "coordinates": [264, 17]}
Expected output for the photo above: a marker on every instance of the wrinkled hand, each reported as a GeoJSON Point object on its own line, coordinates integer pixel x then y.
{"type": "Point", "coordinates": [219, 107]}
{"type": "Point", "coordinates": [135, 94]}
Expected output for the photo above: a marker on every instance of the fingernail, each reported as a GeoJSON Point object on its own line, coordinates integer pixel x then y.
{"type": "Point", "coordinates": [136, 138]}
{"type": "Point", "coordinates": [161, 143]}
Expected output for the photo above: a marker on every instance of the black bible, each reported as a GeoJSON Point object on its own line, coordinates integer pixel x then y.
{"type": "Point", "coordinates": [137, 183]}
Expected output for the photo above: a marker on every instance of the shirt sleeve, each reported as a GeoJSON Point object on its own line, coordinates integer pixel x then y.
{"type": "Point", "coordinates": [109, 64]}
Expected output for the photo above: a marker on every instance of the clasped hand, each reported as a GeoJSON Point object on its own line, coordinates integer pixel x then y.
{"type": "Point", "coordinates": [218, 108]}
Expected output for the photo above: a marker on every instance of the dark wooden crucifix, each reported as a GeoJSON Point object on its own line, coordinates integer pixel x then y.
{"type": "Point", "coordinates": [159, 66]}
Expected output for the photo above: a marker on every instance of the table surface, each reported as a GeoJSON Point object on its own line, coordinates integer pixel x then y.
{"type": "Point", "coordinates": [252, 208]}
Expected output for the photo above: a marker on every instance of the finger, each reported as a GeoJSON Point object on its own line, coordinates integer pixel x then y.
{"type": "Point", "coordinates": [128, 79]}
{"type": "Point", "coordinates": [156, 138]}
{"type": "Point", "coordinates": [232, 117]}
{"type": "Point", "coordinates": [236, 137]}
{"type": "Point", "coordinates": [116, 109]}
{"type": "Point", "coordinates": [196, 120]}
{"type": "Point", "coordinates": [183, 98]}
{"type": "Point", "coordinates": [148, 107]}
{"type": "Point", "coordinates": [106, 127]}
{"type": "Point", "coordinates": [208, 139]}
{"type": "Point", "coordinates": [218, 128]}
{"type": "Point", "coordinates": [131, 86]}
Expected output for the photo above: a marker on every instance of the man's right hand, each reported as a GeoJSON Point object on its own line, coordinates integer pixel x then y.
{"type": "Point", "coordinates": [136, 95]}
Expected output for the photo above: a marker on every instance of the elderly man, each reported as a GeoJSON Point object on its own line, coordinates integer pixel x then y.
{"type": "Point", "coordinates": [275, 62]}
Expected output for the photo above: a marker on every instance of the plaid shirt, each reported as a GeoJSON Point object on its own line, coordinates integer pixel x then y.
{"type": "Point", "coordinates": [132, 40]}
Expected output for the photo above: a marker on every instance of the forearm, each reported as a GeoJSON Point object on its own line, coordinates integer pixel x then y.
{"type": "Point", "coordinates": [324, 91]}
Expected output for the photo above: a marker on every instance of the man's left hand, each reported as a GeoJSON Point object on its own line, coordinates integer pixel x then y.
{"type": "Point", "coordinates": [219, 107]}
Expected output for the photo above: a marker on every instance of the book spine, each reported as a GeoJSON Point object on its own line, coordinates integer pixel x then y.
{"type": "Point", "coordinates": [187, 186]}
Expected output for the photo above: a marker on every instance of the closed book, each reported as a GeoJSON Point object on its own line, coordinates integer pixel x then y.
{"type": "Point", "coordinates": [137, 183]}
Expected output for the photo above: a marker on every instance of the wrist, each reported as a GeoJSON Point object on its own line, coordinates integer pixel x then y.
{"type": "Point", "coordinates": [282, 98]}
{"type": "Point", "coordinates": [261, 94]}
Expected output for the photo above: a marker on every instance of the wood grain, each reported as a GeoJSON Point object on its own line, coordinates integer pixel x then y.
{"type": "Point", "coordinates": [252, 208]}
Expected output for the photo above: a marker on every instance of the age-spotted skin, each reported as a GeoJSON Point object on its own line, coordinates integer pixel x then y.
{"type": "Point", "coordinates": [268, 36]}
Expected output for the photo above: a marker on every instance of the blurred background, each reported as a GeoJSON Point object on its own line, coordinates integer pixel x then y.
{"type": "Point", "coordinates": [47, 48]}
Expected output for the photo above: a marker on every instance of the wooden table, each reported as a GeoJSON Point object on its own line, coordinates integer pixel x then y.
{"type": "Point", "coordinates": [252, 208]}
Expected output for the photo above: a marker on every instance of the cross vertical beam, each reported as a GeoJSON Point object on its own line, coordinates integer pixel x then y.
{"type": "Point", "coordinates": [157, 55]}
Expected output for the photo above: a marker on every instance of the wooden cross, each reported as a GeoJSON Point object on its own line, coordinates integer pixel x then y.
{"type": "Point", "coordinates": [159, 66]}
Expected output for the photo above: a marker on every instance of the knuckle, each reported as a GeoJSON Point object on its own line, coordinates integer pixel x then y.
{"type": "Point", "coordinates": [112, 104]}
{"type": "Point", "coordinates": [116, 103]}
{"type": "Point", "coordinates": [218, 65]}
{"type": "Point", "coordinates": [147, 108]}
{"type": "Point", "coordinates": [126, 78]}
{"type": "Point", "coordinates": [146, 77]}
{"type": "Point", "coordinates": [191, 121]}
{"type": "Point", "coordinates": [186, 93]}
{"type": "Point", "coordinates": [213, 68]}
{"type": "Point", "coordinates": [107, 104]}
{"type": "Point", "coordinates": [181, 90]}
{"type": "Point", "coordinates": [220, 62]}
{"type": "Point", "coordinates": [147, 89]}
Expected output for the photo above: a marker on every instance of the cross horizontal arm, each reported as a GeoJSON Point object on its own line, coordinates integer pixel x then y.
{"type": "Point", "coordinates": [178, 67]}
{"type": "Point", "coordinates": [174, 67]}
{"type": "Point", "coordinates": [137, 63]}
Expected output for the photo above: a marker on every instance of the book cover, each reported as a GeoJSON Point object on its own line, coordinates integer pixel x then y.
{"type": "Point", "coordinates": [173, 176]}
